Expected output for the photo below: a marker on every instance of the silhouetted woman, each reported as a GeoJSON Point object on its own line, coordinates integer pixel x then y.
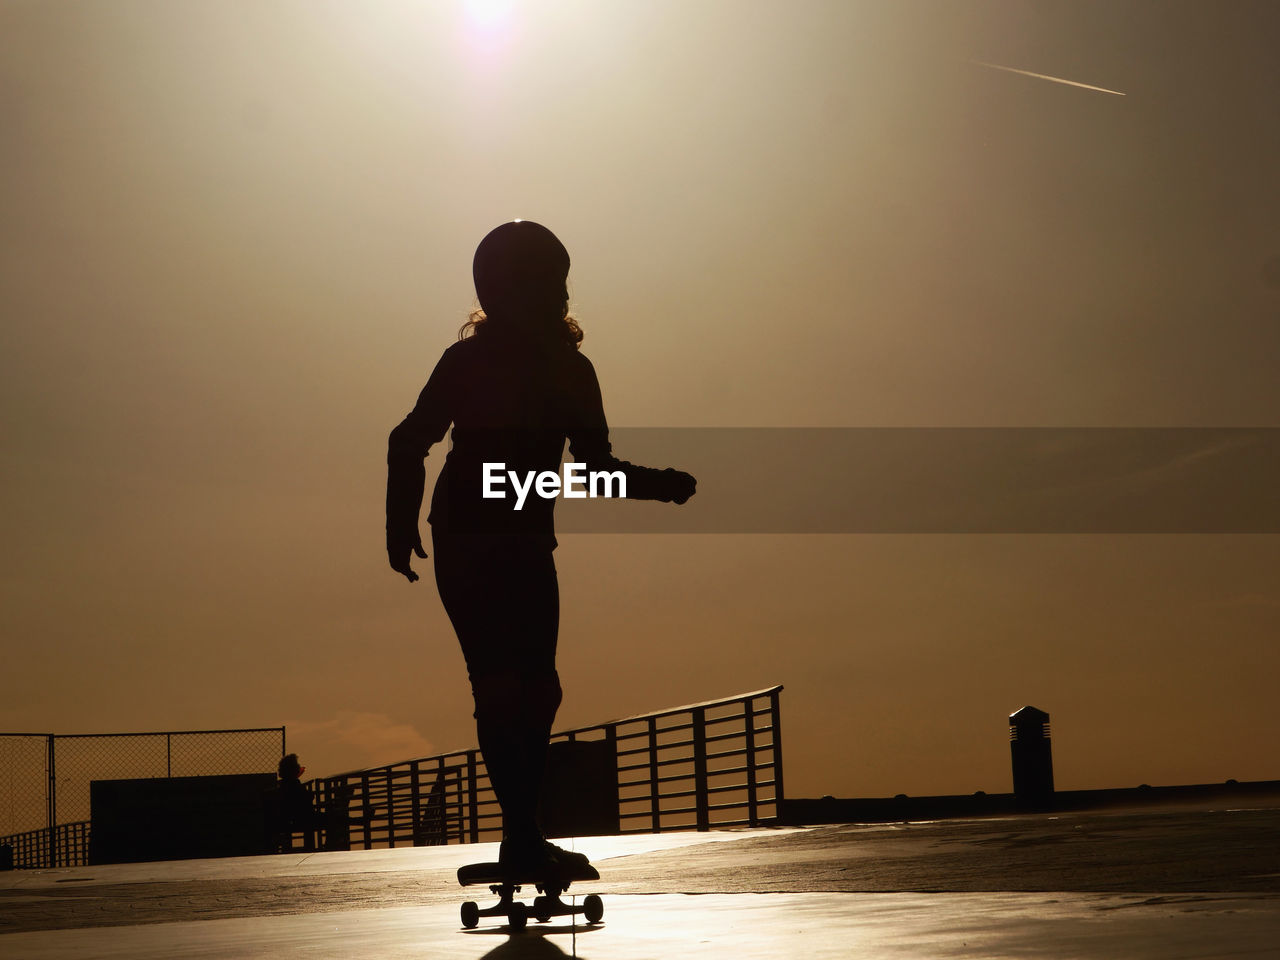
{"type": "Point", "coordinates": [514, 387]}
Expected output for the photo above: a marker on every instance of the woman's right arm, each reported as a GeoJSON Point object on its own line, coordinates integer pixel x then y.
{"type": "Point", "coordinates": [407, 447]}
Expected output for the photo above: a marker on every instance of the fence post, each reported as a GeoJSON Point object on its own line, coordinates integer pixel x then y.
{"type": "Point", "coordinates": [454, 807]}
{"type": "Point", "coordinates": [655, 800]}
{"type": "Point", "coordinates": [611, 738]}
{"type": "Point", "coordinates": [776, 722]}
{"type": "Point", "coordinates": [51, 800]}
{"type": "Point", "coordinates": [391, 820]}
{"type": "Point", "coordinates": [749, 727]}
{"type": "Point", "coordinates": [416, 795]}
{"type": "Point", "coordinates": [366, 810]}
{"type": "Point", "coordinates": [700, 796]}
{"type": "Point", "coordinates": [473, 802]}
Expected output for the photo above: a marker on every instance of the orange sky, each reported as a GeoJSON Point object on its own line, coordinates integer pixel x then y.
{"type": "Point", "coordinates": [236, 237]}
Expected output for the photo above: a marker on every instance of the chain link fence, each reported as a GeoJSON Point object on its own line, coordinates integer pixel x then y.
{"type": "Point", "coordinates": [24, 782]}
{"type": "Point", "coordinates": [45, 778]}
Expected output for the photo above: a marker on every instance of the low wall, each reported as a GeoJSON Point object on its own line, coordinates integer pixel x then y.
{"type": "Point", "coordinates": [797, 812]}
{"type": "Point", "coordinates": [180, 818]}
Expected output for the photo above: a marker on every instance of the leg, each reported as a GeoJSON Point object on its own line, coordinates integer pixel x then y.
{"type": "Point", "coordinates": [514, 714]}
{"type": "Point", "coordinates": [503, 598]}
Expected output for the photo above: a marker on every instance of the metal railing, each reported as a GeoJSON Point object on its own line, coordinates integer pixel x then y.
{"type": "Point", "coordinates": [426, 802]}
{"type": "Point", "coordinates": [709, 764]}
{"type": "Point", "coordinates": [70, 847]}
{"type": "Point", "coordinates": [702, 765]}
{"type": "Point", "coordinates": [712, 764]}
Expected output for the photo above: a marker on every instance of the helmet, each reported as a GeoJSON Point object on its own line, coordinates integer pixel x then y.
{"type": "Point", "coordinates": [519, 263]}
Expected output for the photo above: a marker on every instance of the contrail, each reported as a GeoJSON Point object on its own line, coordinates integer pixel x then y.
{"type": "Point", "coordinates": [1045, 76]}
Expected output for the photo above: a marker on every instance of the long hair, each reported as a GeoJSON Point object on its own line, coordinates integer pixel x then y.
{"type": "Point", "coordinates": [566, 329]}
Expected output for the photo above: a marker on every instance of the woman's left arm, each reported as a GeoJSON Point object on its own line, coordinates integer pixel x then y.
{"type": "Point", "coordinates": [589, 444]}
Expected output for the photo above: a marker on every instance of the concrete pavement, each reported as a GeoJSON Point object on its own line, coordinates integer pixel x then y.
{"type": "Point", "coordinates": [1184, 884]}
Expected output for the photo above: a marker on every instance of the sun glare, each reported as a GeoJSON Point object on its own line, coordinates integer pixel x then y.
{"type": "Point", "coordinates": [488, 27]}
{"type": "Point", "coordinates": [487, 16]}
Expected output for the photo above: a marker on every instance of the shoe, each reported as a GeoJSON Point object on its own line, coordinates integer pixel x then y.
{"type": "Point", "coordinates": [535, 856]}
{"type": "Point", "coordinates": [567, 860]}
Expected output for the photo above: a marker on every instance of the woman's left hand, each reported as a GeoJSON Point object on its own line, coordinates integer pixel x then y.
{"type": "Point", "coordinates": [400, 548]}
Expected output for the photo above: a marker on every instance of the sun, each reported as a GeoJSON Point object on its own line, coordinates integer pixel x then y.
{"type": "Point", "coordinates": [488, 15]}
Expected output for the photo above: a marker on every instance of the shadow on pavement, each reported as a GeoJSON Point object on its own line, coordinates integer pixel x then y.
{"type": "Point", "coordinates": [531, 944]}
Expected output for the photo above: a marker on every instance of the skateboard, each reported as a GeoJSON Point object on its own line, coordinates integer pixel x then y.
{"type": "Point", "coordinates": [505, 886]}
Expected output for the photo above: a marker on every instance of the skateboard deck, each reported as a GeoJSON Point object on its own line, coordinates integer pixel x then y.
{"type": "Point", "coordinates": [506, 885]}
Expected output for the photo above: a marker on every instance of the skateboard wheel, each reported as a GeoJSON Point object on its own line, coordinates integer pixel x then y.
{"type": "Point", "coordinates": [593, 908]}
{"type": "Point", "coordinates": [470, 914]}
{"type": "Point", "coordinates": [542, 909]}
{"type": "Point", "coordinates": [518, 916]}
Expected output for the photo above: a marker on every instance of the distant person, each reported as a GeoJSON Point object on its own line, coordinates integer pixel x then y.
{"type": "Point", "coordinates": [297, 811]}
{"type": "Point", "coordinates": [514, 387]}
